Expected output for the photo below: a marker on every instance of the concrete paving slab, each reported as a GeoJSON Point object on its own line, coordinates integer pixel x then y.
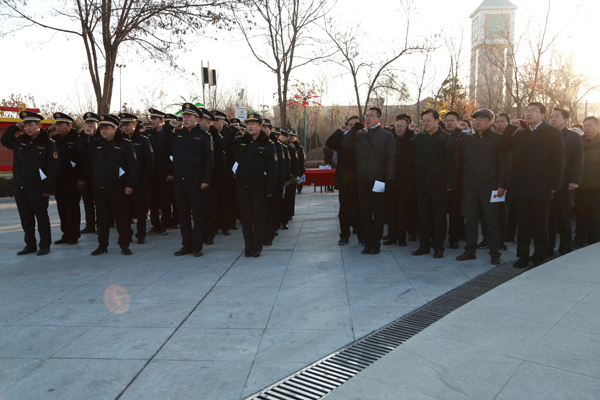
{"type": "Point", "coordinates": [148, 315]}
{"type": "Point", "coordinates": [593, 297]}
{"type": "Point", "coordinates": [299, 317]}
{"type": "Point", "coordinates": [13, 370]}
{"type": "Point", "coordinates": [40, 342]}
{"type": "Point", "coordinates": [66, 314]}
{"type": "Point", "coordinates": [219, 316]}
{"type": "Point", "coordinates": [264, 374]}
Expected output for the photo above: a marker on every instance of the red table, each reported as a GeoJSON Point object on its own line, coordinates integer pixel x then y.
{"type": "Point", "coordinates": [320, 177]}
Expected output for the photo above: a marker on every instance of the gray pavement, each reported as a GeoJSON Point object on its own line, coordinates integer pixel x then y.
{"type": "Point", "coordinates": [535, 337]}
{"type": "Point", "coordinates": [222, 326]}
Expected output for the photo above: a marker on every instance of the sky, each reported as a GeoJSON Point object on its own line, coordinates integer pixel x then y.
{"type": "Point", "coordinates": [51, 67]}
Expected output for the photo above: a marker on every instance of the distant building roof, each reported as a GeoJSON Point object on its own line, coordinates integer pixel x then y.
{"type": "Point", "coordinates": [494, 4]}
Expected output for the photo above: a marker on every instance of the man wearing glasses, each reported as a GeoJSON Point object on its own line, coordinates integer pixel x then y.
{"type": "Point", "coordinates": [538, 167]}
{"type": "Point", "coordinates": [376, 164]}
{"type": "Point", "coordinates": [485, 171]}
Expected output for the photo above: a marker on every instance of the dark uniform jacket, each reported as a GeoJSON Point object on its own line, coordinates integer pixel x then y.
{"type": "Point", "coordinates": [72, 167]}
{"type": "Point", "coordinates": [345, 172]}
{"type": "Point", "coordinates": [109, 157]}
{"type": "Point", "coordinates": [145, 157]}
{"type": "Point", "coordinates": [538, 163]}
{"type": "Point", "coordinates": [405, 181]}
{"type": "Point", "coordinates": [153, 135]}
{"type": "Point", "coordinates": [573, 158]}
{"type": "Point", "coordinates": [219, 155]}
{"type": "Point", "coordinates": [294, 163]}
{"type": "Point", "coordinates": [436, 166]}
{"type": "Point", "coordinates": [31, 155]}
{"type": "Point", "coordinates": [301, 158]}
{"type": "Point", "coordinates": [283, 166]}
{"type": "Point", "coordinates": [193, 155]}
{"type": "Point", "coordinates": [485, 164]}
{"type": "Point", "coordinates": [375, 153]}
{"type": "Point", "coordinates": [83, 148]}
{"type": "Point", "coordinates": [257, 162]}
{"type": "Point", "coordinates": [590, 178]}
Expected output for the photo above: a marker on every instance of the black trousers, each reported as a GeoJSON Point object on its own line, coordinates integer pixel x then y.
{"type": "Point", "coordinates": [211, 213]}
{"type": "Point", "coordinates": [273, 215]}
{"type": "Point", "coordinates": [349, 215]}
{"type": "Point", "coordinates": [224, 207]}
{"type": "Point", "coordinates": [111, 203]}
{"type": "Point", "coordinates": [288, 204]}
{"type": "Point", "coordinates": [157, 201]}
{"type": "Point", "coordinates": [253, 212]}
{"type": "Point", "coordinates": [32, 205]}
{"type": "Point", "coordinates": [587, 207]}
{"type": "Point", "coordinates": [67, 202]}
{"type": "Point", "coordinates": [508, 217]}
{"type": "Point", "coordinates": [372, 212]}
{"type": "Point", "coordinates": [456, 222]}
{"type": "Point", "coordinates": [560, 216]}
{"type": "Point", "coordinates": [477, 205]}
{"type": "Point", "coordinates": [433, 203]}
{"type": "Point", "coordinates": [536, 211]}
{"type": "Point", "coordinates": [87, 195]}
{"type": "Point", "coordinates": [398, 206]}
{"type": "Point", "coordinates": [136, 208]}
{"type": "Point", "coordinates": [191, 201]}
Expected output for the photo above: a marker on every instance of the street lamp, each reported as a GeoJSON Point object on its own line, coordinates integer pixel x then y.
{"type": "Point", "coordinates": [120, 86]}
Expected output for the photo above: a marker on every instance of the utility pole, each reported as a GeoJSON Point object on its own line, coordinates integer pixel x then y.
{"type": "Point", "coordinates": [202, 78]}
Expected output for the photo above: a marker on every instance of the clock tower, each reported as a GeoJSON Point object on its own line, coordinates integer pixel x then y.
{"type": "Point", "coordinates": [492, 39]}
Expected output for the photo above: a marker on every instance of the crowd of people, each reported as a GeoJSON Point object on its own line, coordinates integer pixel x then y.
{"type": "Point", "coordinates": [510, 176]}
{"type": "Point", "coordinates": [198, 172]}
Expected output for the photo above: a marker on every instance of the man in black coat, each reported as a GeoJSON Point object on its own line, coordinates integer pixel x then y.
{"type": "Point", "coordinates": [226, 190]}
{"type": "Point", "coordinates": [71, 178]}
{"type": "Point", "coordinates": [114, 167]}
{"type": "Point", "coordinates": [90, 120]}
{"type": "Point", "coordinates": [35, 170]}
{"type": "Point", "coordinates": [587, 196]}
{"type": "Point", "coordinates": [538, 168]}
{"type": "Point", "coordinates": [288, 203]}
{"type": "Point", "coordinates": [193, 159]}
{"type": "Point", "coordinates": [345, 182]}
{"type": "Point", "coordinates": [485, 171]}
{"type": "Point", "coordinates": [456, 222]}
{"type": "Point", "coordinates": [400, 195]}
{"type": "Point", "coordinates": [376, 167]}
{"type": "Point", "coordinates": [560, 209]}
{"type": "Point", "coordinates": [283, 176]}
{"type": "Point", "coordinates": [436, 176]}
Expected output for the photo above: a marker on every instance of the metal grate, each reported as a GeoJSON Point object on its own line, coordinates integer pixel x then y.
{"type": "Point", "coordinates": [324, 376]}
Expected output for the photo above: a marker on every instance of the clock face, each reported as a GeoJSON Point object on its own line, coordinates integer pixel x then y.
{"type": "Point", "coordinates": [475, 30]}
{"type": "Point", "coordinates": [496, 26]}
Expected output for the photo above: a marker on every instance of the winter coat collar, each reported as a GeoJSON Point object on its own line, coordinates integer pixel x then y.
{"type": "Point", "coordinates": [262, 138]}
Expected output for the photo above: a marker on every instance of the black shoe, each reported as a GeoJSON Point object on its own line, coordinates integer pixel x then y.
{"type": "Point", "coordinates": [142, 241]}
{"type": "Point", "coordinates": [256, 254]}
{"type": "Point", "coordinates": [62, 241]}
{"type": "Point", "coordinates": [402, 243]}
{"type": "Point", "coordinates": [483, 244]}
{"type": "Point", "coordinates": [43, 251]}
{"type": "Point", "coordinates": [366, 250]}
{"type": "Point", "coordinates": [503, 247]}
{"type": "Point", "coordinates": [420, 251]}
{"type": "Point", "coordinates": [226, 232]}
{"type": "Point", "coordinates": [210, 242]}
{"type": "Point", "coordinates": [285, 226]}
{"type": "Point", "coordinates": [126, 251]}
{"type": "Point", "coordinates": [521, 263]}
{"type": "Point", "coordinates": [27, 250]}
{"type": "Point", "coordinates": [88, 229]}
{"type": "Point", "coordinates": [537, 262]}
{"type": "Point", "coordinates": [389, 242]}
{"type": "Point", "coordinates": [438, 254]}
{"type": "Point", "coordinates": [270, 243]}
{"type": "Point", "coordinates": [374, 250]}
{"type": "Point", "coordinates": [453, 245]}
{"type": "Point", "coordinates": [154, 231]}
{"type": "Point", "coordinates": [198, 253]}
{"type": "Point", "coordinates": [248, 254]}
{"type": "Point", "coordinates": [99, 250]}
{"type": "Point", "coordinates": [164, 232]}
{"type": "Point", "coordinates": [73, 241]}
{"type": "Point", "coordinates": [342, 242]}
{"type": "Point", "coordinates": [182, 252]}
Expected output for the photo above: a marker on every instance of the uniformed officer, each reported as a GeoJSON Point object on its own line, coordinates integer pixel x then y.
{"type": "Point", "coordinates": [71, 178]}
{"type": "Point", "coordinates": [301, 161]}
{"type": "Point", "coordinates": [114, 166]}
{"type": "Point", "coordinates": [234, 131]}
{"type": "Point", "coordinates": [274, 202]}
{"type": "Point", "coordinates": [224, 176]}
{"type": "Point", "coordinates": [90, 120]}
{"type": "Point", "coordinates": [255, 181]}
{"type": "Point", "coordinates": [166, 158]}
{"type": "Point", "coordinates": [138, 201]}
{"type": "Point", "coordinates": [35, 170]}
{"type": "Point", "coordinates": [156, 187]}
{"type": "Point", "coordinates": [288, 204]}
{"type": "Point", "coordinates": [192, 151]}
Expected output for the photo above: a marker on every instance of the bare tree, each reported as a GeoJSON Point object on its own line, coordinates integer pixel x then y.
{"type": "Point", "coordinates": [285, 27]}
{"type": "Point", "coordinates": [156, 28]}
{"type": "Point", "coordinates": [355, 60]}
{"type": "Point", "coordinates": [423, 79]}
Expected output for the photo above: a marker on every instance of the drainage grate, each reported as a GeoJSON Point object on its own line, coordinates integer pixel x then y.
{"type": "Point", "coordinates": [324, 376]}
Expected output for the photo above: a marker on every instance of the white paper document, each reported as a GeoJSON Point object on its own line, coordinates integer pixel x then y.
{"type": "Point", "coordinates": [121, 172]}
{"type": "Point", "coordinates": [73, 164]}
{"type": "Point", "coordinates": [42, 175]}
{"type": "Point", "coordinates": [234, 168]}
{"type": "Point", "coordinates": [497, 199]}
{"type": "Point", "coordinates": [379, 187]}
{"type": "Point", "coordinates": [302, 179]}
{"type": "Point", "coordinates": [171, 157]}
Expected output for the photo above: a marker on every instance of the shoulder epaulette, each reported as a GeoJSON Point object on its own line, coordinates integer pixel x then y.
{"type": "Point", "coordinates": [127, 140]}
{"type": "Point", "coordinates": [145, 137]}
{"type": "Point", "coordinates": [52, 140]}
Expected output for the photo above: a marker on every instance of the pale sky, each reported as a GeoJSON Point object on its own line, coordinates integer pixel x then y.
{"type": "Point", "coordinates": [51, 66]}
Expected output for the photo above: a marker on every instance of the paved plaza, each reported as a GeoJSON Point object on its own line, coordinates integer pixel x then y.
{"type": "Point", "coordinates": [155, 326]}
